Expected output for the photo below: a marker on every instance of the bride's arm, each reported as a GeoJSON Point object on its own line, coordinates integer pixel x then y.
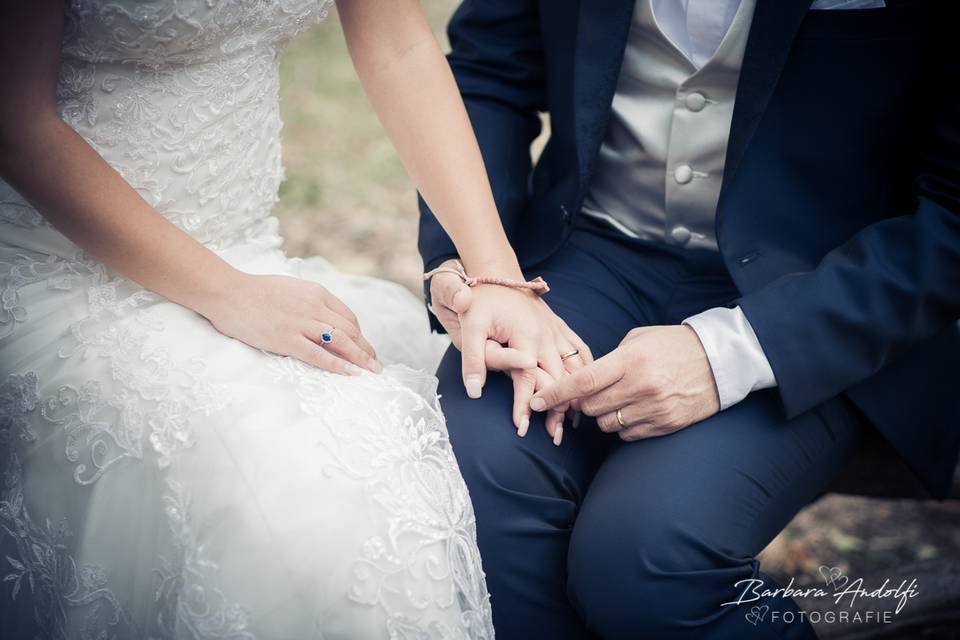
{"type": "Point", "coordinates": [415, 95]}
{"type": "Point", "coordinates": [413, 91]}
{"type": "Point", "coordinates": [74, 188]}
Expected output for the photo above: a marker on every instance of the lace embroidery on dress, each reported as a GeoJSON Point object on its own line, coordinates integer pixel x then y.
{"type": "Point", "coordinates": [42, 564]}
{"type": "Point", "coordinates": [23, 270]}
{"type": "Point", "coordinates": [186, 606]}
{"type": "Point", "coordinates": [181, 32]}
{"type": "Point", "coordinates": [403, 455]}
{"type": "Point", "coordinates": [16, 211]}
{"type": "Point", "coordinates": [211, 164]}
{"type": "Point", "coordinates": [159, 398]}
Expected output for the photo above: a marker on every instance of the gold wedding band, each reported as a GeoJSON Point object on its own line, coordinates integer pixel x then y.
{"type": "Point", "coordinates": [570, 354]}
{"type": "Point", "coordinates": [623, 425]}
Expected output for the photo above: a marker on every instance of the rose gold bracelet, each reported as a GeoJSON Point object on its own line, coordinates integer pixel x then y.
{"type": "Point", "coordinates": [538, 285]}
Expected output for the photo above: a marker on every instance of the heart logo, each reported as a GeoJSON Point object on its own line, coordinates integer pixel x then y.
{"type": "Point", "coordinates": [833, 576]}
{"type": "Point", "coordinates": [756, 614]}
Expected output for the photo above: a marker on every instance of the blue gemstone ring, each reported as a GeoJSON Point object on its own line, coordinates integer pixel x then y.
{"type": "Point", "coordinates": [326, 337]}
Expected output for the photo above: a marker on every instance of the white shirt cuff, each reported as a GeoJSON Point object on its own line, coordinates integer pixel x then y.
{"type": "Point", "coordinates": [736, 357]}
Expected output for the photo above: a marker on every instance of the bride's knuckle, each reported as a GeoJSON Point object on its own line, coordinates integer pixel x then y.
{"type": "Point", "coordinates": [439, 292]}
{"type": "Point", "coordinates": [444, 288]}
{"type": "Point", "coordinates": [473, 325]}
{"type": "Point", "coordinates": [526, 376]}
{"type": "Point", "coordinates": [472, 361]}
{"type": "Point", "coordinates": [357, 354]}
{"type": "Point", "coordinates": [341, 345]}
{"type": "Point", "coordinates": [321, 357]}
{"type": "Point", "coordinates": [331, 363]}
{"type": "Point", "coordinates": [308, 357]}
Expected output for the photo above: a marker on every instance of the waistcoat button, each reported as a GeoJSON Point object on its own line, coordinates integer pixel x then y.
{"type": "Point", "coordinates": [683, 174]}
{"type": "Point", "coordinates": [680, 234]}
{"type": "Point", "coordinates": [695, 101]}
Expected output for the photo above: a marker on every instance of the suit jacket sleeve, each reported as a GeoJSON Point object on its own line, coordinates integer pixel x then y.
{"type": "Point", "coordinates": [497, 60]}
{"type": "Point", "coordinates": [891, 286]}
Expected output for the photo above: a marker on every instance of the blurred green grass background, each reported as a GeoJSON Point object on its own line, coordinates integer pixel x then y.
{"type": "Point", "coordinates": [348, 199]}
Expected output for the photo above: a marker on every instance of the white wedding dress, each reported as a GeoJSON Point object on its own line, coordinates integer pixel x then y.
{"type": "Point", "coordinates": [160, 480]}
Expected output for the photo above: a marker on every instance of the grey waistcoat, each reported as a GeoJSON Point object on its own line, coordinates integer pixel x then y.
{"type": "Point", "coordinates": [661, 162]}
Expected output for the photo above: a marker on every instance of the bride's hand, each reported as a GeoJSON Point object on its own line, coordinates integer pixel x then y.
{"type": "Point", "coordinates": [480, 320]}
{"type": "Point", "coordinates": [292, 317]}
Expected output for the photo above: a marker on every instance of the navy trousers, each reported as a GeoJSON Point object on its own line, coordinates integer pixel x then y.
{"type": "Point", "coordinates": [601, 538]}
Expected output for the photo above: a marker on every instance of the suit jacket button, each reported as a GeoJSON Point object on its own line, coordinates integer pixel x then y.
{"type": "Point", "coordinates": [566, 214]}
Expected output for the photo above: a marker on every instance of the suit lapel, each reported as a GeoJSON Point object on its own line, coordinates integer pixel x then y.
{"type": "Point", "coordinates": [602, 29]}
{"type": "Point", "coordinates": [775, 23]}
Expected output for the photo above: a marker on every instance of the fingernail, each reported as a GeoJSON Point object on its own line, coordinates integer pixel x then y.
{"type": "Point", "coordinates": [576, 420]}
{"type": "Point", "coordinates": [474, 388]}
{"type": "Point", "coordinates": [558, 436]}
{"type": "Point", "coordinates": [375, 366]}
{"type": "Point", "coordinates": [352, 369]}
{"type": "Point", "coordinates": [538, 404]}
{"type": "Point", "coordinates": [524, 425]}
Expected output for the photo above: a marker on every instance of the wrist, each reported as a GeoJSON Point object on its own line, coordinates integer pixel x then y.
{"type": "Point", "coordinates": [494, 267]}
{"type": "Point", "coordinates": [218, 291]}
{"type": "Point", "coordinates": [535, 287]}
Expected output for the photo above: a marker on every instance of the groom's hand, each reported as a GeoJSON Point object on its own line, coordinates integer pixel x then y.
{"type": "Point", "coordinates": [659, 379]}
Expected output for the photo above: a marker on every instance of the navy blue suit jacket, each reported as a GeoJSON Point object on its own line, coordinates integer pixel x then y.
{"type": "Point", "coordinates": [839, 216]}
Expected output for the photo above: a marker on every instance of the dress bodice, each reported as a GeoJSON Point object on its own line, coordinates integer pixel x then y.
{"type": "Point", "coordinates": [181, 98]}
{"type": "Point", "coordinates": [160, 34]}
